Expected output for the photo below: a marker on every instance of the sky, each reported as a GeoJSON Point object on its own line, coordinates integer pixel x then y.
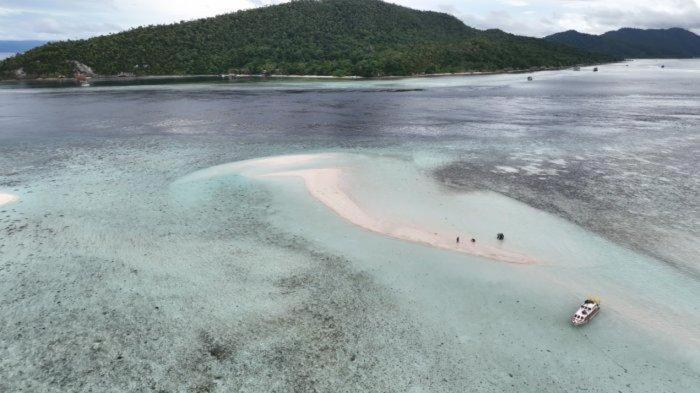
{"type": "Point", "coordinates": [72, 19]}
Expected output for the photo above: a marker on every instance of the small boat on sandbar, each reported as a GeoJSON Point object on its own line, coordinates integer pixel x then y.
{"type": "Point", "coordinates": [529, 78]}
{"type": "Point", "coordinates": [586, 312]}
{"type": "Point", "coordinates": [595, 69]}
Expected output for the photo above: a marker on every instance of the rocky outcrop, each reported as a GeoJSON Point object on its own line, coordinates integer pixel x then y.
{"type": "Point", "coordinates": [81, 68]}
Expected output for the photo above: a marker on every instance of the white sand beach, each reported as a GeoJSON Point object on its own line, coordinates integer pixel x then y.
{"type": "Point", "coordinates": [6, 199]}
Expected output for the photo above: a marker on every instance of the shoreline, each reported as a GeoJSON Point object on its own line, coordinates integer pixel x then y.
{"type": "Point", "coordinates": [115, 78]}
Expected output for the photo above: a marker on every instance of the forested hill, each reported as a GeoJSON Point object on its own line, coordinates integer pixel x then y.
{"type": "Point", "coordinates": [326, 37]}
{"type": "Point", "coordinates": [635, 43]}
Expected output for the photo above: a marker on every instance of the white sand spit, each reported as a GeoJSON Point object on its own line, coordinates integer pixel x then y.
{"type": "Point", "coordinates": [6, 199]}
{"type": "Point", "coordinates": [326, 185]}
{"type": "Point", "coordinates": [326, 178]}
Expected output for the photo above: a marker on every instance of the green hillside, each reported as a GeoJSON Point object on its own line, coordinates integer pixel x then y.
{"type": "Point", "coordinates": [326, 37]}
{"type": "Point", "coordinates": [635, 43]}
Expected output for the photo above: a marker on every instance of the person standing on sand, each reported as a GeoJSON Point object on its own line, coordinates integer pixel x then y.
{"type": "Point", "coordinates": [457, 239]}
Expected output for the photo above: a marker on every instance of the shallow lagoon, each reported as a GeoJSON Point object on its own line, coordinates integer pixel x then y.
{"type": "Point", "coordinates": [115, 277]}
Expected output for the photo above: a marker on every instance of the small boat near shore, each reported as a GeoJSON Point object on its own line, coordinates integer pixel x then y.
{"type": "Point", "coordinates": [82, 80]}
{"type": "Point", "coordinates": [586, 312]}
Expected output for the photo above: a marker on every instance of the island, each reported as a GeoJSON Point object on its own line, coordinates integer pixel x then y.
{"type": "Point", "coordinates": [367, 38]}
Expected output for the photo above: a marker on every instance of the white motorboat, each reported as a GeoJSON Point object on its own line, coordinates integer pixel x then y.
{"type": "Point", "coordinates": [586, 312]}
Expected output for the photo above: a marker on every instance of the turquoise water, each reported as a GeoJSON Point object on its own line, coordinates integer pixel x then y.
{"type": "Point", "coordinates": [117, 275]}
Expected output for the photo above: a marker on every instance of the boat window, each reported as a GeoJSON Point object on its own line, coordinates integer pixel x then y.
{"type": "Point", "coordinates": [584, 312]}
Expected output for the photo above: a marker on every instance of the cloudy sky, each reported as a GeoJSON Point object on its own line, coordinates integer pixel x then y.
{"type": "Point", "coordinates": [62, 19]}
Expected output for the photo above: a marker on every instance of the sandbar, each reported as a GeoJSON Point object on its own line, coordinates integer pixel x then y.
{"type": "Point", "coordinates": [326, 186]}
{"type": "Point", "coordinates": [6, 199]}
{"type": "Point", "coordinates": [325, 178]}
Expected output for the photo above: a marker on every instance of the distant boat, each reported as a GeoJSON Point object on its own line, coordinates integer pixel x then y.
{"type": "Point", "coordinates": [82, 80]}
{"type": "Point", "coordinates": [586, 312]}
{"type": "Point", "coordinates": [663, 66]}
{"type": "Point", "coordinates": [595, 69]}
{"type": "Point", "coordinates": [529, 78]}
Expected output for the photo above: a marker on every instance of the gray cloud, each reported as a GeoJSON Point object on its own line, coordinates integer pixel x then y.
{"type": "Point", "coordinates": [679, 13]}
{"type": "Point", "coordinates": [540, 18]}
